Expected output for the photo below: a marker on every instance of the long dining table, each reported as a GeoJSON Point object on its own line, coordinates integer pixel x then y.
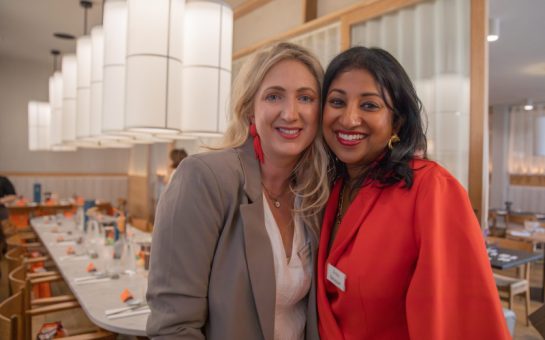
{"type": "Point", "coordinates": [98, 295]}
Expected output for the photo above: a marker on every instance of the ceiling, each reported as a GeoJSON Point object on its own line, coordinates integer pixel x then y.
{"type": "Point", "coordinates": [517, 59]}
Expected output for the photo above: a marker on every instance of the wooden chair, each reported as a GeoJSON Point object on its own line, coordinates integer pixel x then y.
{"type": "Point", "coordinates": [23, 239]}
{"type": "Point", "coordinates": [519, 219]}
{"type": "Point", "coordinates": [16, 256]}
{"type": "Point", "coordinates": [18, 280]}
{"type": "Point", "coordinates": [29, 307]}
{"type": "Point", "coordinates": [11, 321]}
{"type": "Point", "coordinates": [538, 320]}
{"type": "Point", "coordinates": [141, 224]}
{"type": "Point", "coordinates": [509, 287]}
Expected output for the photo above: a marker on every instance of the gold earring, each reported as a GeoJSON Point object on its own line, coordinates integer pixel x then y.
{"type": "Point", "coordinates": [393, 140]}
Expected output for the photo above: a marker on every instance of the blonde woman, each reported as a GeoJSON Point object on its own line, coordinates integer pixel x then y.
{"type": "Point", "coordinates": [237, 229]}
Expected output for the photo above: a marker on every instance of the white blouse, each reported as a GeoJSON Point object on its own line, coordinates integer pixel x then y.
{"type": "Point", "coordinates": [293, 277]}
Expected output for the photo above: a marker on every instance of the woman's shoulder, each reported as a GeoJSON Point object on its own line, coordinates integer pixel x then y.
{"type": "Point", "coordinates": [428, 171]}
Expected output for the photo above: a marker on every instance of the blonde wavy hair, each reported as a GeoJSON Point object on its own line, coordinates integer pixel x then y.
{"type": "Point", "coordinates": [309, 176]}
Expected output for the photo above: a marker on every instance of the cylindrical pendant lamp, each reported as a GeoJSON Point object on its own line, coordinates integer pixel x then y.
{"type": "Point", "coordinates": [208, 40]}
{"type": "Point", "coordinates": [69, 90]}
{"type": "Point", "coordinates": [55, 100]}
{"type": "Point", "coordinates": [540, 136]}
{"type": "Point", "coordinates": [154, 66]}
{"type": "Point", "coordinates": [97, 68]}
{"type": "Point", "coordinates": [83, 115]}
{"type": "Point", "coordinates": [115, 52]}
{"type": "Point", "coordinates": [39, 116]}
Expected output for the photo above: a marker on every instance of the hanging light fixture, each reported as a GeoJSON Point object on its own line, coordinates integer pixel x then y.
{"type": "Point", "coordinates": [69, 90]}
{"type": "Point", "coordinates": [154, 66]}
{"type": "Point", "coordinates": [540, 136]}
{"type": "Point", "coordinates": [55, 102]}
{"type": "Point", "coordinates": [529, 105]}
{"type": "Point", "coordinates": [97, 63]}
{"type": "Point", "coordinates": [115, 51]}
{"type": "Point", "coordinates": [208, 39]}
{"type": "Point", "coordinates": [493, 29]}
{"type": "Point", "coordinates": [83, 53]}
{"type": "Point", "coordinates": [39, 117]}
{"type": "Point", "coordinates": [83, 115]}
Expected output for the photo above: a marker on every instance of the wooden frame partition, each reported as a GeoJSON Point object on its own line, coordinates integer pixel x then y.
{"type": "Point", "coordinates": [369, 11]}
{"type": "Point", "coordinates": [478, 106]}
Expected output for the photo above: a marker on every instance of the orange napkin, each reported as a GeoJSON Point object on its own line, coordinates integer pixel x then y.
{"type": "Point", "coordinates": [60, 238]}
{"type": "Point", "coordinates": [91, 267]}
{"type": "Point", "coordinates": [126, 295]}
{"type": "Point", "coordinates": [70, 251]}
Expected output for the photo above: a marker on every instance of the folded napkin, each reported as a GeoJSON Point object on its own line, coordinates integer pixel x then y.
{"type": "Point", "coordinates": [91, 267]}
{"type": "Point", "coordinates": [126, 295]}
{"type": "Point", "coordinates": [520, 233]}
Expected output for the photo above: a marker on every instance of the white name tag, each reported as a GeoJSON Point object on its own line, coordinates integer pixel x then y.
{"type": "Point", "coordinates": [336, 277]}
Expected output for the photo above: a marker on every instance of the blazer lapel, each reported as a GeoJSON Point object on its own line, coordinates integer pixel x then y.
{"type": "Point", "coordinates": [256, 242]}
{"type": "Point", "coordinates": [353, 219]}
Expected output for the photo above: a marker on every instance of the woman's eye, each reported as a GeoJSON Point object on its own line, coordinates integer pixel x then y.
{"type": "Point", "coordinates": [370, 106]}
{"type": "Point", "coordinates": [272, 97]}
{"type": "Point", "coordinates": [306, 99]}
{"type": "Point", "coordinates": [336, 102]}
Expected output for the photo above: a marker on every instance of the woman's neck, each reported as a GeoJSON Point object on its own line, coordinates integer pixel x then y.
{"type": "Point", "coordinates": [276, 177]}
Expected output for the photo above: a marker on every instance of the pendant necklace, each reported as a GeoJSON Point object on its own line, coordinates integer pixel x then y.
{"type": "Point", "coordinates": [275, 199]}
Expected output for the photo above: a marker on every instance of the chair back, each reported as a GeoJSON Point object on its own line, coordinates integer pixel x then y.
{"type": "Point", "coordinates": [511, 244]}
{"type": "Point", "coordinates": [11, 321]}
{"type": "Point", "coordinates": [14, 258]}
{"type": "Point", "coordinates": [17, 278]}
{"type": "Point", "coordinates": [519, 219]}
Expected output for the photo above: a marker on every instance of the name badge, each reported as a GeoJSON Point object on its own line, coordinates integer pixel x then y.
{"type": "Point", "coordinates": [336, 277]}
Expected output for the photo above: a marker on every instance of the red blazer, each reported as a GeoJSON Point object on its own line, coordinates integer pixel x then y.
{"type": "Point", "coordinates": [415, 263]}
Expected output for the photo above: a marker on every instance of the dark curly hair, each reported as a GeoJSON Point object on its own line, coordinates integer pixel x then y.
{"type": "Point", "coordinates": [393, 166]}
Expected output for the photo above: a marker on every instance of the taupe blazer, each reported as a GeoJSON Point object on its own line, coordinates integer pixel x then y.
{"type": "Point", "coordinates": [212, 271]}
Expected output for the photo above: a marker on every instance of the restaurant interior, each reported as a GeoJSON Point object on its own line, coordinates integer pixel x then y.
{"type": "Point", "coordinates": [87, 146]}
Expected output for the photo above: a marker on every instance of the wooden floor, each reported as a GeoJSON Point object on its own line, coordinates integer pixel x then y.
{"type": "Point", "coordinates": [523, 332]}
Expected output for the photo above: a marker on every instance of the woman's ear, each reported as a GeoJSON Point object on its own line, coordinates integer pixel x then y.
{"type": "Point", "coordinates": [397, 124]}
{"type": "Point", "coordinates": [252, 119]}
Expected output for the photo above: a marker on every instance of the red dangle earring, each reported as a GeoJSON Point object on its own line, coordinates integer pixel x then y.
{"type": "Point", "coordinates": [257, 144]}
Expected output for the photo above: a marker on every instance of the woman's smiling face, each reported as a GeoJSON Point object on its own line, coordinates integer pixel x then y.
{"type": "Point", "coordinates": [286, 110]}
{"type": "Point", "coordinates": [357, 123]}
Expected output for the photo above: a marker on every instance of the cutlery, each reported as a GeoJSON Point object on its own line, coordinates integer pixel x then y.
{"type": "Point", "coordinates": [129, 313]}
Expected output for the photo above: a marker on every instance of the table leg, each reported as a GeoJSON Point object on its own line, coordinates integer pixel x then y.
{"type": "Point", "coordinates": [542, 297]}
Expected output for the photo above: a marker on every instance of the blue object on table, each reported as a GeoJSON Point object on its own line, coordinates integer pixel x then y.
{"type": "Point", "coordinates": [37, 193]}
{"type": "Point", "coordinates": [86, 206]}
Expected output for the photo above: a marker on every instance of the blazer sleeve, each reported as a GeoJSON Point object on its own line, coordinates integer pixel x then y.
{"type": "Point", "coordinates": [187, 226]}
{"type": "Point", "coordinates": [452, 294]}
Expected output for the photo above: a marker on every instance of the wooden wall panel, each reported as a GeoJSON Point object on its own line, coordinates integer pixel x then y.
{"type": "Point", "coordinates": [138, 199]}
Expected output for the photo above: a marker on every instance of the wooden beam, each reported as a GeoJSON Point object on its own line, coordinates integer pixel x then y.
{"type": "Point", "coordinates": [365, 10]}
{"type": "Point", "coordinates": [373, 9]}
{"type": "Point", "coordinates": [527, 180]}
{"type": "Point", "coordinates": [478, 174]}
{"type": "Point", "coordinates": [310, 10]}
{"type": "Point", "coordinates": [62, 174]}
{"type": "Point", "coordinates": [346, 33]}
{"type": "Point", "coordinates": [247, 7]}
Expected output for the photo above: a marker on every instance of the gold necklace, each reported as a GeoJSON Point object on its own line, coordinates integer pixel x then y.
{"type": "Point", "coordinates": [276, 200]}
{"type": "Point", "coordinates": [339, 216]}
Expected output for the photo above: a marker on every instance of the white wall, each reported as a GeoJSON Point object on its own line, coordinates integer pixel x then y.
{"type": "Point", "coordinates": [20, 82]}
{"type": "Point", "coordinates": [267, 21]}
{"type": "Point", "coordinates": [499, 142]}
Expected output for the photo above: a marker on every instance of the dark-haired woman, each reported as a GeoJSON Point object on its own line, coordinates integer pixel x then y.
{"type": "Point", "coordinates": [401, 254]}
